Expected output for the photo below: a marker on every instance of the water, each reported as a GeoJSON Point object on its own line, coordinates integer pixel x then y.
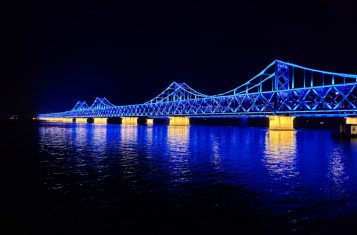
{"type": "Point", "coordinates": [63, 178]}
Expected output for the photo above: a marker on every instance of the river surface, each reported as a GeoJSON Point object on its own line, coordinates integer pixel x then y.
{"type": "Point", "coordinates": [64, 178]}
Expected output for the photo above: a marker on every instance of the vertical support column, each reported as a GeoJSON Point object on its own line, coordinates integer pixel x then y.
{"type": "Point", "coordinates": [293, 79]}
{"type": "Point", "coordinates": [352, 123]}
{"type": "Point", "coordinates": [281, 122]}
{"type": "Point", "coordinates": [100, 120]}
{"type": "Point", "coordinates": [354, 130]}
{"type": "Point", "coordinates": [67, 119]}
{"type": "Point", "coordinates": [282, 82]}
{"type": "Point", "coordinates": [81, 120]}
{"type": "Point", "coordinates": [349, 128]}
{"type": "Point", "coordinates": [149, 121]}
{"type": "Point", "coordinates": [179, 121]}
{"type": "Point", "coordinates": [129, 120]}
{"type": "Point", "coordinates": [282, 76]}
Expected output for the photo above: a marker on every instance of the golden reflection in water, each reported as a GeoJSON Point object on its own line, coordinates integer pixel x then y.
{"type": "Point", "coordinates": [51, 136]}
{"type": "Point", "coordinates": [99, 137]}
{"type": "Point", "coordinates": [149, 135]}
{"type": "Point", "coordinates": [128, 143]}
{"type": "Point", "coordinates": [178, 144]}
{"type": "Point", "coordinates": [80, 137]}
{"type": "Point", "coordinates": [178, 138]}
{"type": "Point", "coordinates": [280, 154]}
{"type": "Point", "coordinates": [129, 134]}
{"type": "Point", "coordinates": [129, 154]}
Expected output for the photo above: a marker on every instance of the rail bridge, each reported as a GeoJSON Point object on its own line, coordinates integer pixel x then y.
{"type": "Point", "coordinates": [280, 92]}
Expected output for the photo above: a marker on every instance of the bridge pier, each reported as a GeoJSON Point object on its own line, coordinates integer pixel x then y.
{"type": "Point", "coordinates": [149, 121]}
{"type": "Point", "coordinates": [351, 120]}
{"type": "Point", "coordinates": [281, 122]}
{"type": "Point", "coordinates": [179, 121]}
{"type": "Point", "coordinates": [129, 120]}
{"type": "Point", "coordinates": [100, 120]}
{"type": "Point", "coordinates": [349, 128]}
{"type": "Point", "coordinates": [67, 120]}
{"type": "Point", "coordinates": [81, 120]}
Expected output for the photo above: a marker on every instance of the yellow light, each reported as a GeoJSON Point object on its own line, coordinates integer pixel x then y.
{"type": "Point", "coordinates": [100, 120]}
{"type": "Point", "coordinates": [178, 139]}
{"type": "Point", "coordinates": [280, 154]}
{"type": "Point", "coordinates": [281, 140]}
{"type": "Point", "coordinates": [51, 119]}
{"type": "Point", "coordinates": [129, 134]}
{"type": "Point", "coordinates": [81, 120]}
{"type": "Point", "coordinates": [179, 121]}
{"type": "Point", "coordinates": [281, 122]}
{"type": "Point", "coordinates": [129, 120]}
{"type": "Point", "coordinates": [67, 119]}
{"type": "Point", "coordinates": [351, 120]}
{"type": "Point", "coordinates": [149, 121]}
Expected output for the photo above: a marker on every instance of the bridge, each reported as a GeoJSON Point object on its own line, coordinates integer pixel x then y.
{"type": "Point", "coordinates": [280, 92]}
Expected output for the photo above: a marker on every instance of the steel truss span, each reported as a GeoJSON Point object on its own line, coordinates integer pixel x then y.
{"type": "Point", "coordinates": [280, 89]}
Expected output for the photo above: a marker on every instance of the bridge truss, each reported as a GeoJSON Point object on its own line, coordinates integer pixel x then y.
{"type": "Point", "coordinates": [280, 89]}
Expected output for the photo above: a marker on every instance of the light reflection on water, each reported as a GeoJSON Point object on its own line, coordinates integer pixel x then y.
{"type": "Point", "coordinates": [178, 148]}
{"type": "Point", "coordinates": [290, 171]}
{"type": "Point", "coordinates": [280, 154]}
{"type": "Point", "coordinates": [336, 170]}
{"type": "Point", "coordinates": [178, 139]}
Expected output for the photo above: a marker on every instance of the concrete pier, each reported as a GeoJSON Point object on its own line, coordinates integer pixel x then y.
{"type": "Point", "coordinates": [100, 120]}
{"type": "Point", "coordinates": [281, 122]}
{"type": "Point", "coordinates": [351, 120]}
{"type": "Point", "coordinates": [129, 120]}
{"type": "Point", "coordinates": [149, 121]}
{"type": "Point", "coordinates": [81, 120]}
{"type": "Point", "coordinates": [349, 128]}
{"type": "Point", "coordinates": [179, 121]}
{"type": "Point", "coordinates": [67, 119]}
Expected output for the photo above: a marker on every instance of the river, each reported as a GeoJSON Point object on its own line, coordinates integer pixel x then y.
{"type": "Point", "coordinates": [61, 178]}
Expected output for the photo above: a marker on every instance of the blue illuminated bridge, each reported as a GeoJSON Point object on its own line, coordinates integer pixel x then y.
{"type": "Point", "coordinates": [281, 90]}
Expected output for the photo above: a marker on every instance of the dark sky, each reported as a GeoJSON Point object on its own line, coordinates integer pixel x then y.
{"type": "Point", "coordinates": [58, 52]}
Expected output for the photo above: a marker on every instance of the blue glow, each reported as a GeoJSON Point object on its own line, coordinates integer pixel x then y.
{"type": "Point", "coordinates": [280, 88]}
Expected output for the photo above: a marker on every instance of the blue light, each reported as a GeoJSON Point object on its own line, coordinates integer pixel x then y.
{"type": "Point", "coordinates": [281, 88]}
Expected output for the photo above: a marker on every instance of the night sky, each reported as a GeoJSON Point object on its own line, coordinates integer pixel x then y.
{"type": "Point", "coordinates": [58, 52]}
